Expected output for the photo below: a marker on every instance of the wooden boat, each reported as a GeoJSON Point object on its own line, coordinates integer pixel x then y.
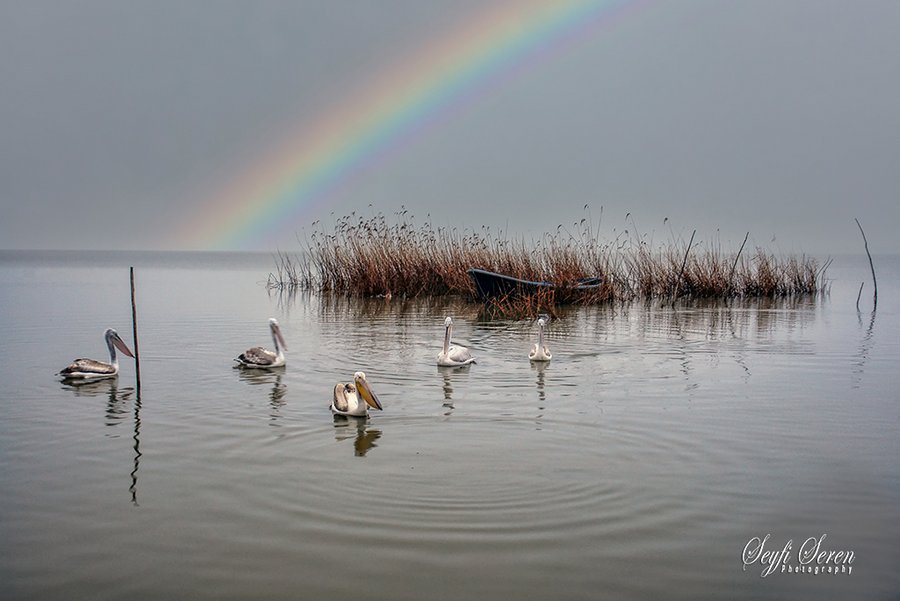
{"type": "Point", "coordinates": [489, 284]}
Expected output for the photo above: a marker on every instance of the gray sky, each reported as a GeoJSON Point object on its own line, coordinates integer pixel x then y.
{"type": "Point", "coordinates": [778, 117]}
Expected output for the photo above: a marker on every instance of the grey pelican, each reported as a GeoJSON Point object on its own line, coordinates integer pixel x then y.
{"type": "Point", "coordinates": [346, 400]}
{"type": "Point", "coordinates": [260, 358]}
{"type": "Point", "coordinates": [83, 369]}
{"type": "Point", "coordinates": [539, 352]}
{"type": "Point", "coordinates": [452, 355]}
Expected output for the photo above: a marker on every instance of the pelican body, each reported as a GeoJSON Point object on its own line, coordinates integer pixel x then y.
{"type": "Point", "coordinates": [347, 397]}
{"type": "Point", "coordinates": [91, 369]}
{"type": "Point", "coordinates": [539, 352]}
{"type": "Point", "coordinates": [261, 358]}
{"type": "Point", "coordinates": [452, 355]}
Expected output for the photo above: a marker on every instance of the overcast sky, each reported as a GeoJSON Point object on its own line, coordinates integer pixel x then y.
{"type": "Point", "coordinates": [777, 117]}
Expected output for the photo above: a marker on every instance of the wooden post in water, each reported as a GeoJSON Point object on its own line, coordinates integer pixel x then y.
{"type": "Point", "coordinates": [137, 356]}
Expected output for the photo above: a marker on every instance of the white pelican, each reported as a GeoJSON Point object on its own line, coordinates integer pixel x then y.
{"type": "Point", "coordinates": [260, 358]}
{"type": "Point", "coordinates": [539, 352]}
{"type": "Point", "coordinates": [452, 355]}
{"type": "Point", "coordinates": [91, 369]}
{"type": "Point", "coordinates": [346, 401]}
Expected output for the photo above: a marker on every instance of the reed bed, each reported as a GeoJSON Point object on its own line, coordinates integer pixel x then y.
{"type": "Point", "coordinates": [373, 256]}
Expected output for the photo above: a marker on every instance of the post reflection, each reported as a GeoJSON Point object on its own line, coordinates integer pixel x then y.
{"type": "Point", "coordinates": [137, 449]}
{"type": "Point", "coordinates": [865, 347]}
{"type": "Point", "coordinates": [116, 413]}
{"type": "Point", "coordinates": [681, 333]}
{"type": "Point", "coordinates": [364, 437]}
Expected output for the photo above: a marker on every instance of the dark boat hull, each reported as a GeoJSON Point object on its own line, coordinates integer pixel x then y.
{"type": "Point", "coordinates": [489, 284]}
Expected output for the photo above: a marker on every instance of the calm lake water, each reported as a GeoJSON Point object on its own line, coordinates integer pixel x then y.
{"type": "Point", "coordinates": [648, 460]}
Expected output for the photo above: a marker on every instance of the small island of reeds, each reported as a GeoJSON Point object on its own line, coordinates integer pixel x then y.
{"type": "Point", "coordinates": [372, 256]}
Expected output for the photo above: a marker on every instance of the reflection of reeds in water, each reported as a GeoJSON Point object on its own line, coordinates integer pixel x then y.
{"type": "Point", "coordinates": [542, 302]}
{"type": "Point", "coordinates": [743, 319]}
{"type": "Point", "coordinates": [372, 257]}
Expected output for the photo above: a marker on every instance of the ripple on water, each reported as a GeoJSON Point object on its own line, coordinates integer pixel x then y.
{"type": "Point", "coordinates": [424, 486]}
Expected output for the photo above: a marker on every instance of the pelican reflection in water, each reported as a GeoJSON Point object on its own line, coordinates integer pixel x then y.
{"type": "Point", "coordinates": [91, 369]}
{"type": "Point", "coordinates": [452, 355]}
{"type": "Point", "coordinates": [540, 367]}
{"type": "Point", "coordinates": [346, 400]}
{"type": "Point", "coordinates": [271, 379]}
{"type": "Point", "coordinates": [261, 358]}
{"type": "Point", "coordinates": [117, 398]}
{"type": "Point", "coordinates": [540, 352]}
{"type": "Point", "coordinates": [364, 437]}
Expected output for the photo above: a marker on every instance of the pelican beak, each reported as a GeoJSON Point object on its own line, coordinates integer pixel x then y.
{"type": "Point", "coordinates": [121, 346]}
{"type": "Point", "coordinates": [362, 386]}
{"type": "Point", "coordinates": [280, 338]}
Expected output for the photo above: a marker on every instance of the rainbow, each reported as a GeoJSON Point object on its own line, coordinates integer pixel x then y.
{"type": "Point", "coordinates": [295, 177]}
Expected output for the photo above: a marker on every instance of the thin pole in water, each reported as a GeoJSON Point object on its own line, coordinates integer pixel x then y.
{"type": "Point", "coordinates": [736, 257]}
{"type": "Point", "coordinates": [683, 264]}
{"type": "Point", "coordinates": [137, 356]}
{"type": "Point", "coordinates": [871, 265]}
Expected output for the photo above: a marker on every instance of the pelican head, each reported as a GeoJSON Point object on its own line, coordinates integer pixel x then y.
{"type": "Point", "coordinates": [113, 340]}
{"type": "Point", "coordinates": [540, 352]}
{"type": "Point", "coordinates": [277, 338]}
{"type": "Point", "coordinates": [448, 330]}
{"type": "Point", "coordinates": [362, 386]}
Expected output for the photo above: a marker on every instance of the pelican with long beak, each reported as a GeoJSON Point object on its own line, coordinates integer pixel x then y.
{"type": "Point", "coordinates": [346, 397]}
{"type": "Point", "coordinates": [452, 355]}
{"type": "Point", "coordinates": [539, 352]}
{"type": "Point", "coordinates": [90, 369]}
{"type": "Point", "coordinates": [261, 358]}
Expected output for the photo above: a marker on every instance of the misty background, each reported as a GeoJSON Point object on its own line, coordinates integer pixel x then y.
{"type": "Point", "coordinates": [778, 117]}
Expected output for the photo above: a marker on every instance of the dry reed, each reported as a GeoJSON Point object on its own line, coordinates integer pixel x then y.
{"type": "Point", "coordinates": [374, 257]}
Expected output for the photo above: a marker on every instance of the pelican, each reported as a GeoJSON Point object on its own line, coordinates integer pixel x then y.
{"type": "Point", "coordinates": [452, 355]}
{"type": "Point", "coordinates": [346, 401]}
{"type": "Point", "coordinates": [539, 352]}
{"type": "Point", "coordinates": [260, 358]}
{"type": "Point", "coordinates": [91, 369]}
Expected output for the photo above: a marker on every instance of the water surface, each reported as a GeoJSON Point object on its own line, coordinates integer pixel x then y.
{"type": "Point", "coordinates": [638, 464]}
